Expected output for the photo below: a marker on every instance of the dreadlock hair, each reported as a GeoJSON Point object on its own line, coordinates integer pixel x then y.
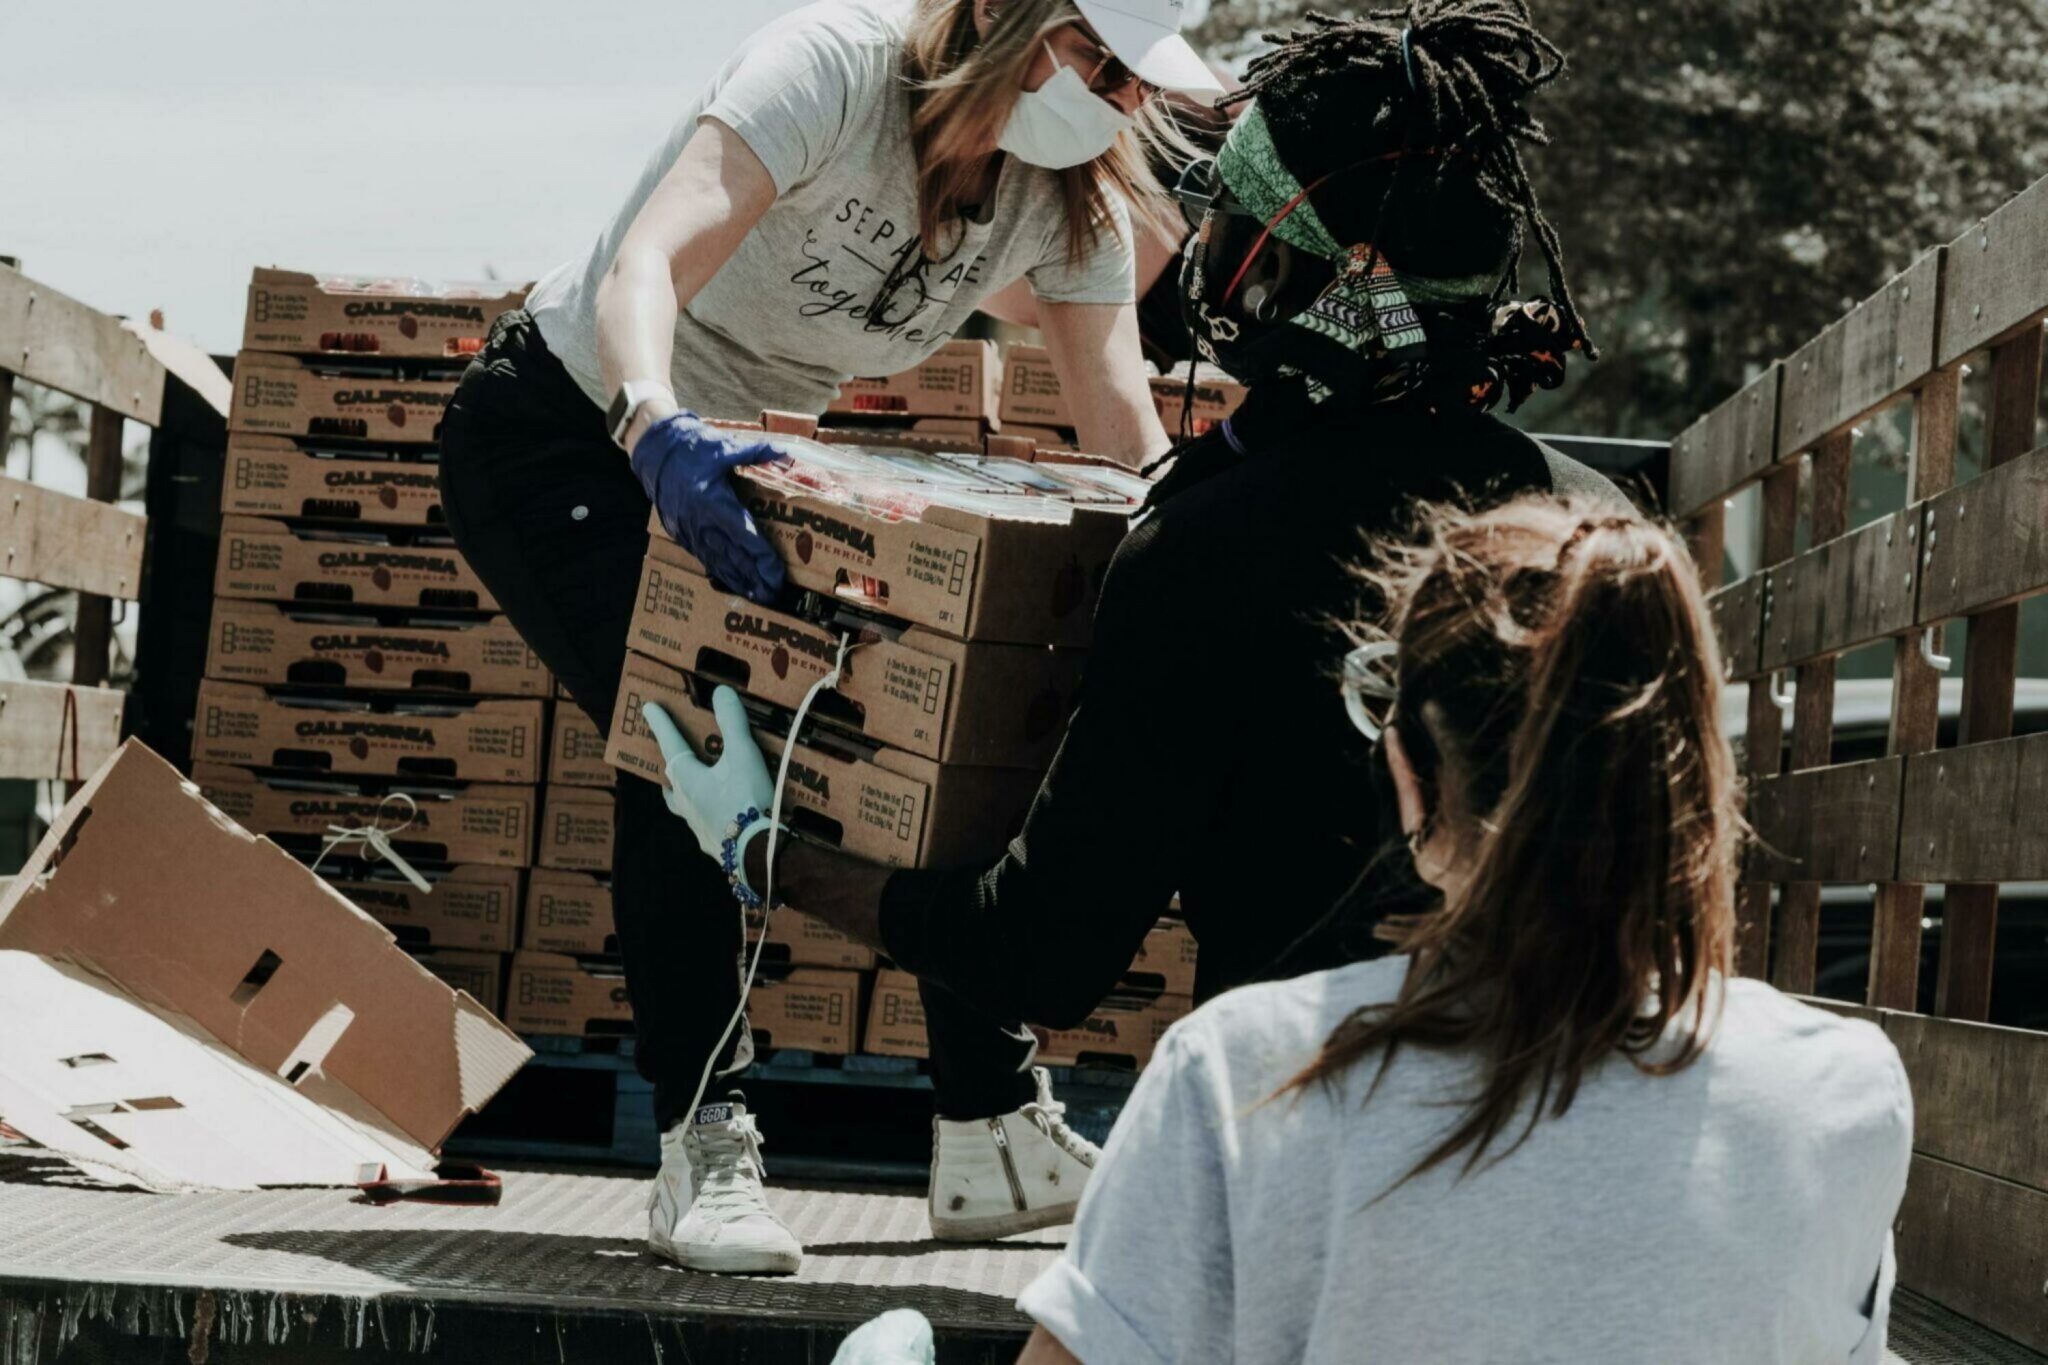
{"type": "Point", "coordinates": [1444, 83]}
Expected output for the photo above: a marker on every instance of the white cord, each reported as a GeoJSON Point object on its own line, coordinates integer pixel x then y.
{"type": "Point", "coordinates": [846, 647]}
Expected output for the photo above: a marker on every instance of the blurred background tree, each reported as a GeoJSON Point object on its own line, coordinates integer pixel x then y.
{"type": "Point", "coordinates": [1730, 176]}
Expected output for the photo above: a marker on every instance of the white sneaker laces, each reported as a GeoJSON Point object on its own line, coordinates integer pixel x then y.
{"type": "Point", "coordinates": [1051, 1117]}
{"type": "Point", "coordinates": [729, 1158]}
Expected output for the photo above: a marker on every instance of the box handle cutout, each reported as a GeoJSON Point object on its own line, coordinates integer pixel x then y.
{"type": "Point", "coordinates": [319, 1041]}
{"type": "Point", "coordinates": [83, 1114]}
{"type": "Point", "coordinates": [256, 978]}
{"type": "Point", "coordinates": [85, 1059]}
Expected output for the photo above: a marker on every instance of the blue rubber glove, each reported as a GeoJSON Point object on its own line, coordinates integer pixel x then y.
{"type": "Point", "coordinates": [899, 1337]}
{"type": "Point", "coordinates": [683, 462]}
{"type": "Point", "coordinates": [711, 798]}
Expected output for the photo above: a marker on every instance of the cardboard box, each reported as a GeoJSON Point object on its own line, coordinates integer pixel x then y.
{"type": "Point", "coordinates": [576, 751]}
{"type": "Point", "coordinates": [283, 396]}
{"type": "Point", "coordinates": [1217, 396]}
{"type": "Point", "coordinates": [910, 688]}
{"type": "Point", "coordinates": [257, 642]}
{"type": "Point", "coordinates": [554, 993]}
{"type": "Point", "coordinates": [298, 313]}
{"type": "Point", "coordinates": [268, 561]}
{"type": "Point", "coordinates": [1166, 960]}
{"type": "Point", "coordinates": [797, 940]}
{"type": "Point", "coordinates": [184, 1005]}
{"type": "Point", "coordinates": [994, 574]}
{"type": "Point", "coordinates": [455, 823]}
{"type": "Point", "coordinates": [879, 804]}
{"type": "Point", "coordinates": [1120, 1035]}
{"type": "Point", "coordinates": [958, 380]}
{"type": "Point", "coordinates": [569, 912]}
{"type": "Point", "coordinates": [896, 1026]}
{"type": "Point", "coordinates": [1043, 438]}
{"type": "Point", "coordinates": [1031, 390]}
{"type": "Point", "coordinates": [277, 476]}
{"type": "Point", "coordinates": [470, 741]}
{"type": "Point", "coordinates": [469, 907]}
{"type": "Point", "coordinates": [481, 974]}
{"type": "Point", "coordinates": [811, 1008]}
{"type": "Point", "coordinates": [576, 829]}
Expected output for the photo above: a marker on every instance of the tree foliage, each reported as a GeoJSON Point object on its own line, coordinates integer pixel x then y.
{"type": "Point", "coordinates": [1730, 176]}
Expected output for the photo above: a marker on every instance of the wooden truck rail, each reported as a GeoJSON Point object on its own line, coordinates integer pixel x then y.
{"type": "Point", "coordinates": [1973, 1233]}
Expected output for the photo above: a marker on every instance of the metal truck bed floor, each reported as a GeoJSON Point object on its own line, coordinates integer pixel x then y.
{"type": "Point", "coordinates": [554, 1273]}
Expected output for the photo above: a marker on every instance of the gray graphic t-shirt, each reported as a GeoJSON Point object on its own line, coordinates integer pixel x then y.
{"type": "Point", "coordinates": [802, 306]}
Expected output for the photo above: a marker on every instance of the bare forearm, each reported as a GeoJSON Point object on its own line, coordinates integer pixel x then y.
{"type": "Point", "coordinates": [636, 318]}
{"type": "Point", "coordinates": [843, 891]}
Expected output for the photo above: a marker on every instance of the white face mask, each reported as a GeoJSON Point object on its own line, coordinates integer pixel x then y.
{"type": "Point", "coordinates": [1062, 123]}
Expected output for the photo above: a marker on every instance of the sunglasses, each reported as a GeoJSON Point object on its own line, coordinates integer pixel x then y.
{"type": "Point", "coordinates": [1370, 685]}
{"type": "Point", "coordinates": [1109, 76]}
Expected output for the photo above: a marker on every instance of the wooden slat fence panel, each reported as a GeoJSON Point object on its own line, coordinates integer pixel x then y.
{"type": "Point", "coordinates": [1977, 813]}
{"type": "Point", "coordinates": [1880, 350]}
{"type": "Point", "coordinates": [49, 338]}
{"type": "Point", "coordinates": [1727, 448]}
{"type": "Point", "coordinates": [1838, 824]}
{"type": "Point", "coordinates": [1978, 1245]}
{"type": "Point", "coordinates": [1847, 592]}
{"type": "Point", "coordinates": [1995, 279]}
{"type": "Point", "coordinates": [55, 731]}
{"type": "Point", "coordinates": [53, 538]}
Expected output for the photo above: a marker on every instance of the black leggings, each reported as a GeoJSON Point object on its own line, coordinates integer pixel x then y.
{"type": "Point", "coordinates": [548, 512]}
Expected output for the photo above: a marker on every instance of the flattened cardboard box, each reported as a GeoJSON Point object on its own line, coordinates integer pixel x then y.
{"type": "Point", "coordinates": [576, 829]}
{"type": "Point", "coordinates": [471, 741]}
{"type": "Point", "coordinates": [280, 396]}
{"type": "Point", "coordinates": [576, 750]}
{"type": "Point", "coordinates": [471, 907]}
{"type": "Point", "coordinates": [880, 804]}
{"type": "Point", "coordinates": [481, 974]}
{"type": "Point", "coordinates": [476, 823]}
{"type": "Point", "coordinates": [185, 1038]}
{"type": "Point", "coordinates": [812, 1008]}
{"type": "Point", "coordinates": [966, 574]}
{"type": "Point", "coordinates": [568, 912]}
{"type": "Point", "coordinates": [1166, 959]}
{"type": "Point", "coordinates": [959, 380]}
{"type": "Point", "coordinates": [275, 476]}
{"type": "Point", "coordinates": [1121, 1032]}
{"type": "Point", "coordinates": [553, 993]}
{"type": "Point", "coordinates": [896, 1026]}
{"type": "Point", "coordinates": [914, 689]}
{"type": "Point", "coordinates": [297, 313]}
{"type": "Point", "coordinates": [797, 940]}
{"type": "Point", "coordinates": [268, 561]}
{"type": "Point", "coordinates": [261, 642]}
{"type": "Point", "coordinates": [1031, 390]}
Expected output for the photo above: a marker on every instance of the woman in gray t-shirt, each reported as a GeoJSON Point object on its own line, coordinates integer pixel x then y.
{"type": "Point", "coordinates": [1553, 1128]}
{"type": "Point", "coordinates": [857, 178]}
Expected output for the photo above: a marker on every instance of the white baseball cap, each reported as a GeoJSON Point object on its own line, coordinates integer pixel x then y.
{"type": "Point", "coordinates": [1145, 36]}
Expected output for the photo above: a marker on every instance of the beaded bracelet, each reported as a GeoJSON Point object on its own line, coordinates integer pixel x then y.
{"type": "Point", "coordinates": [732, 854]}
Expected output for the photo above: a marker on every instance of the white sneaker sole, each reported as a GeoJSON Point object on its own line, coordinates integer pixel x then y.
{"type": "Point", "coordinates": [989, 1227]}
{"type": "Point", "coordinates": [728, 1260]}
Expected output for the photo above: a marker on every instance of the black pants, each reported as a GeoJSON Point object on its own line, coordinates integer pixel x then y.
{"type": "Point", "coordinates": [548, 512]}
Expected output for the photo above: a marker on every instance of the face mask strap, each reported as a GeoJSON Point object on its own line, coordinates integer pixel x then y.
{"type": "Point", "coordinates": [1287, 210]}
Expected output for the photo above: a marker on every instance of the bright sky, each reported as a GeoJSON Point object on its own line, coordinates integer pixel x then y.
{"type": "Point", "coordinates": [151, 154]}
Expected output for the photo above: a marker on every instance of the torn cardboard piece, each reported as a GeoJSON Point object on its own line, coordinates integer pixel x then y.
{"type": "Point", "coordinates": [880, 804]}
{"type": "Point", "coordinates": [261, 642]}
{"type": "Point", "coordinates": [277, 476]}
{"type": "Point", "coordinates": [353, 316]}
{"type": "Point", "coordinates": [303, 1041]}
{"type": "Point", "coordinates": [452, 823]}
{"type": "Point", "coordinates": [279, 395]}
{"type": "Point", "coordinates": [403, 736]}
{"type": "Point", "coordinates": [910, 688]}
{"type": "Point", "coordinates": [269, 561]}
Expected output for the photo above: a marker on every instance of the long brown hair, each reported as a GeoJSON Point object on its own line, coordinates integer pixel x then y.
{"type": "Point", "coordinates": [1559, 692]}
{"type": "Point", "coordinates": [962, 89]}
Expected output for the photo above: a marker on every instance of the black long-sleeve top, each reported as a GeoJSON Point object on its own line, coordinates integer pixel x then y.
{"type": "Point", "coordinates": [1211, 754]}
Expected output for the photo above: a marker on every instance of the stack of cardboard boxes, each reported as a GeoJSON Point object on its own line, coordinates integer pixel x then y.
{"type": "Point", "coordinates": [1034, 407]}
{"type": "Point", "coordinates": [963, 589]}
{"type": "Point", "coordinates": [358, 674]}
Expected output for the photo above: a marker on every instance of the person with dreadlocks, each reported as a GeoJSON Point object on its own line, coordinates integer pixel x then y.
{"type": "Point", "coordinates": [1360, 228]}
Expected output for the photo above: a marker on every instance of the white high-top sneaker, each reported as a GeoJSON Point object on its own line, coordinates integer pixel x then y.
{"type": "Point", "coordinates": [1016, 1172]}
{"type": "Point", "coordinates": [707, 1211]}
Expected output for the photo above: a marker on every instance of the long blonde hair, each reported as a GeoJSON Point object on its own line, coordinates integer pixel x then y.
{"type": "Point", "coordinates": [1560, 701]}
{"type": "Point", "coordinates": [962, 89]}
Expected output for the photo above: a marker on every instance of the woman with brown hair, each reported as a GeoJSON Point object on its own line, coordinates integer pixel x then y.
{"type": "Point", "coordinates": [857, 178]}
{"type": "Point", "coordinates": [1552, 1127]}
